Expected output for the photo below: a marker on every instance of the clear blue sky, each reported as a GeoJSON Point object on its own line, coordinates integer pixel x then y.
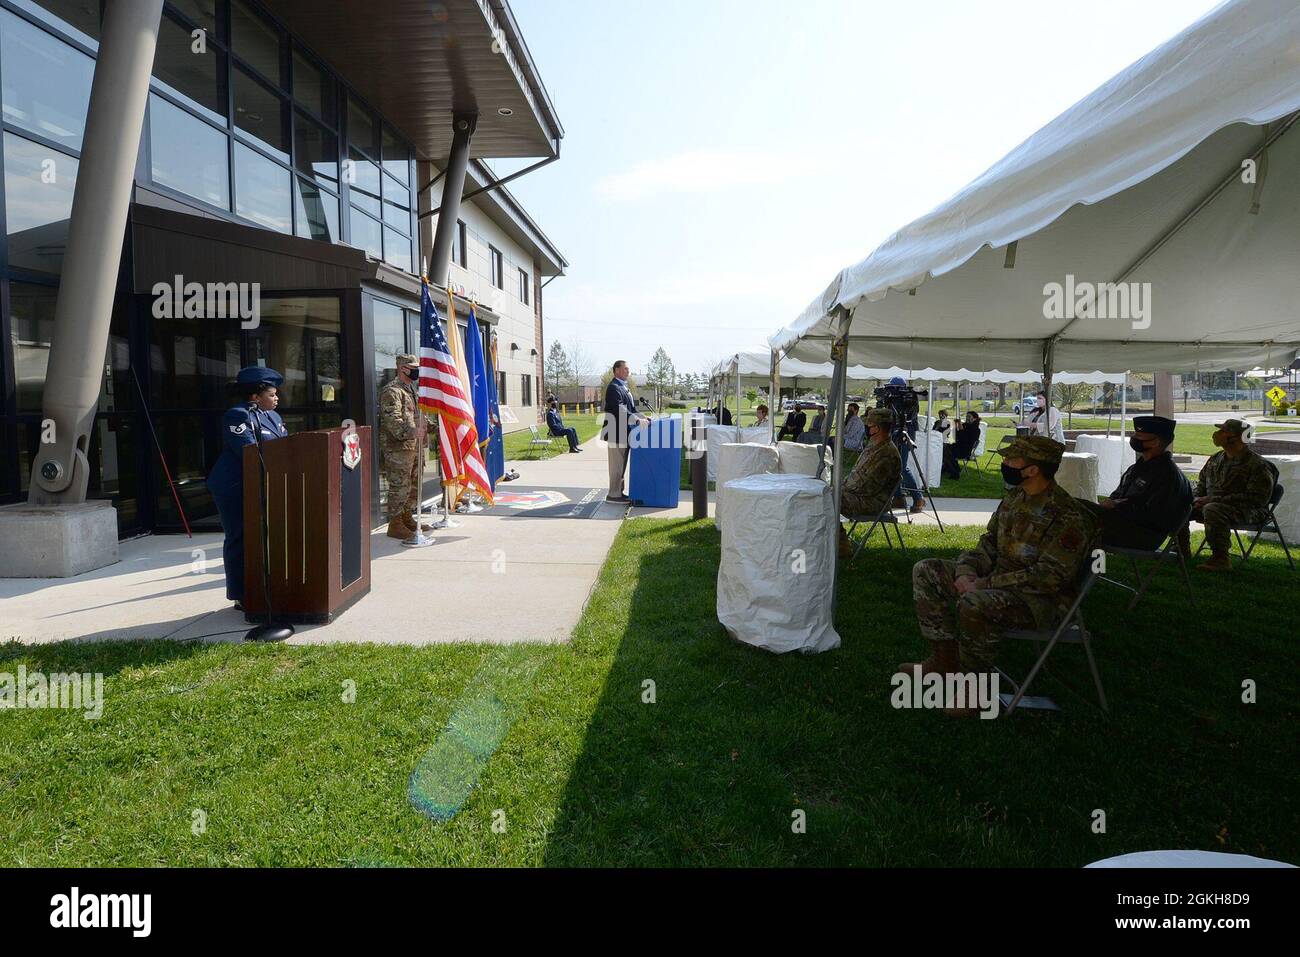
{"type": "Point", "coordinates": [723, 159]}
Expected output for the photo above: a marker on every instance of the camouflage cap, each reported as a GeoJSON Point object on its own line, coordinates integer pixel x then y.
{"type": "Point", "coordinates": [1235, 426]}
{"type": "Point", "coordinates": [1033, 448]}
{"type": "Point", "coordinates": [406, 359]}
{"type": "Point", "coordinates": [881, 417]}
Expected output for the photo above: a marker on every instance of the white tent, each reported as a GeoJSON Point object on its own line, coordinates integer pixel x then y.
{"type": "Point", "coordinates": [1178, 173]}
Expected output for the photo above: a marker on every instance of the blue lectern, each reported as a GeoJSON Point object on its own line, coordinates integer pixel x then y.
{"type": "Point", "coordinates": [655, 462]}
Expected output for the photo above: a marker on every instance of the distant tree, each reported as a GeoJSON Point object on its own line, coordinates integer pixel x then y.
{"type": "Point", "coordinates": [581, 365]}
{"type": "Point", "coordinates": [558, 371]}
{"type": "Point", "coordinates": [751, 395]}
{"type": "Point", "coordinates": [660, 374]}
{"type": "Point", "coordinates": [1069, 397]}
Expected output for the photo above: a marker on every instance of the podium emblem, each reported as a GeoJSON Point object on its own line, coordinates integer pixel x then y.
{"type": "Point", "coordinates": [351, 449]}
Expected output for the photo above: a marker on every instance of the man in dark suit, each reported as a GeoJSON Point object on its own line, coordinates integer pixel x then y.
{"type": "Point", "coordinates": [1152, 496]}
{"type": "Point", "coordinates": [620, 416]}
{"type": "Point", "coordinates": [555, 425]}
{"type": "Point", "coordinates": [794, 424]}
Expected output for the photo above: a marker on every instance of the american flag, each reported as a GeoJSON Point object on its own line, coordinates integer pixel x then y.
{"type": "Point", "coordinates": [444, 390]}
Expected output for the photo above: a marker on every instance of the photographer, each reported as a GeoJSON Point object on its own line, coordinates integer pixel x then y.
{"type": "Point", "coordinates": [900, 398]}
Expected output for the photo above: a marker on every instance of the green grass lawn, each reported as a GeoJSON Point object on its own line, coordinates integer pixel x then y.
{"type": "Point", "coordinates": [585, 773]}
{"type": "Point", "coordinates": [516, 443]}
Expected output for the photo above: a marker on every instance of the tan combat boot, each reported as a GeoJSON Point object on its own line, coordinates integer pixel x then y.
{"type": "Point", "coordinates": [409, 519]}
{"type": "Point", "coordinates": [398, 529]}
{"type": "Point", "coordinates": [942, 660]}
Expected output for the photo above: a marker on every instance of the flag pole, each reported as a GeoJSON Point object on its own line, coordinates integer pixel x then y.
{"type": "Point", "coordinates": [419, 540]}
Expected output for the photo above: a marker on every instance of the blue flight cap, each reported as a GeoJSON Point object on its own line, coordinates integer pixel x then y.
{"type": "Point", "coordinates": [257, 375]}
{"type": "Point", "coordinates": [897, 380]}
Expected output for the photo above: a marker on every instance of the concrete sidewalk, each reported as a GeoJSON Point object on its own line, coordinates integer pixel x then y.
{"type": "Point", "coordinates": [500, 577]}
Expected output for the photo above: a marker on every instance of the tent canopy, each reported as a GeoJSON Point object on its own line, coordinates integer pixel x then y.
{"type": "Point", "coordinates": [1147, 181]}
{"type": "Point", "coordinates": [755, 369]}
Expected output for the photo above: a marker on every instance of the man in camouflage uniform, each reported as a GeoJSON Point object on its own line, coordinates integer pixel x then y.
{"type": "Point", "coordinates": [1023, 573]}
{"type": "Point", "coordinates": [875, 475]}
{"type": "Point", "coordinates": [1234, 488]}
{"type": "Point", "coordinates": [402, 433]}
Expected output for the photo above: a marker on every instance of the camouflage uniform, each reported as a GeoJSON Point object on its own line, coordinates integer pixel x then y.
{"type": "Point", "coordinates": [1028, 561]}
{"type": "Point", "coordinates": [875, 474]}
{"type": "Point", "coordinates": [399, 425]}
{"type": "Point", "coordinates": [1239, 490]}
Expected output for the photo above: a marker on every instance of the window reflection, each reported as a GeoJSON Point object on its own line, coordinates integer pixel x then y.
{"type": "Point", "coordinates": [198, 78]}
{"type": "Point", "coordinates": [313, 89]}
{"type": "Point", "coordinates": [261, 190]}
{"type": "Point", "coordinates": [366, 234]}
{"type": "Point", "coordinates": [77, 17]}
{"type": "Point", "coordinates": [46, 82]}
{"type": "Point", "coordinates": [39, 183]}
{"type": "Point", "coordinates": [299, 337]}
{"type": "Point", "coordinates": [261, 113]}
{"type": "Point", "coordinates": [318, 212]}
{"type": "Point", "coordinates": [317, 149]}
{"type": "Point", "coordinates": [32, 327]}
{"type": "Point", "coordinates": [187, 154]}
{"type": "Point", "coordinates": [397, 249]}
{"type": "Point", "coordinates": [255, 41]}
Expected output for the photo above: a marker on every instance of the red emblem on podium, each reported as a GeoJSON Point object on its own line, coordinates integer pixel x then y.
{"type": "Point", "coordinates": [351, 449]}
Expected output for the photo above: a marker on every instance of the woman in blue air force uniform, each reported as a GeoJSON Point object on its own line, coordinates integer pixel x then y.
{"type": "Point", "coordinates": [258, 387]}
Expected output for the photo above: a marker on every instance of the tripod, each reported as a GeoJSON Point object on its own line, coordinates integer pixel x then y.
{"type": "Point", "coordinates": [269, 631]}
{"type": "Point", "coordinates": [910, 444]}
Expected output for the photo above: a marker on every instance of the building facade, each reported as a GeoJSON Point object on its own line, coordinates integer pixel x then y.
{"type": "Point", "coordinates": [262, 170]}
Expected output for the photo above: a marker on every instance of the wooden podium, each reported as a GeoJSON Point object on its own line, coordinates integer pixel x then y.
{"type": "Point", "coordinates": [318, 511]}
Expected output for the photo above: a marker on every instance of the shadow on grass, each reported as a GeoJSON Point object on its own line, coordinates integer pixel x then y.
{"type": "Point", "coordinates": [104, 657]}
{"type": "Point", "coordinates": [738, 741]}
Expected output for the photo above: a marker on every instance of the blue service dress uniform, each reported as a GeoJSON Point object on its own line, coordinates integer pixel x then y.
{"type": "Point", "coordinates": [226, 483]}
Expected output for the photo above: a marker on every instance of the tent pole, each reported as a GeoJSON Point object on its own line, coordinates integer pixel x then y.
{"type": "Point", "coordinates": [773, 395]}
{"type": "Point", "coordinates": [737, 396]}
{"type": "Point", "coordinates": [840, 355]}
{"type": "Point", "coordinates": [1123, 406]}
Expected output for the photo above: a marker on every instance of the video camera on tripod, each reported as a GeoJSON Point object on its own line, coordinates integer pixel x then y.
{"type": "Point", "coordinates": [904, 402]}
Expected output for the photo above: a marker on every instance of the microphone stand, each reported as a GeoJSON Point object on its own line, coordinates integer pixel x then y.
{"type": "Point", "coordinates": [269, 631]}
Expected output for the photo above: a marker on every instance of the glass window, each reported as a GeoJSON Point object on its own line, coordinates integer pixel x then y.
{"type": "Point", "coordinates": [390, 340]}
{"type": "Point", "coordinates": [31, 310]}
{"type": "Point", "coordinates": [198, 78]}
{"type": "Point", "coordinates": [367, 234]}
{"type": "Point", "coordinates": [261, 113]}
{"type": "Point", "coordinates": [317, 149]}
{"type": "Point", "coordinates": [498, 268]}
{"type": "Point", "coordinates": [192, 362]}
{"type": "Point", "coordinates": [299, 337]}
{"type": "Point", "coordinates": [523, 287]}
{"type": "Point", "coordinates": [256, 42]}
{"type": "Point", "coordinates": [398, 195]}
{"type": "Point", "coordinates": [38, 203]}
{"type": "Point", "coordinates": [82, 16]}
{"type": "Point", "coordinates": [396, 157]}
{"type": "Point", "coordinates": [202, 12]}
{"type": "Point", "coordinates": [397, 249]}
{"type": "Point", "coordinates": [46, 82]}
{"type": "Point", "coordinates": [363, 174]}
{"type": "Point", "coordinates": [314, 88]}
{"type": "Point", "coordinates": [461, 255]}
{"type": "Point", "coordinates": [318, 212]}
{"type": "Point", "coordinates": [261, 190]}
{"type": "Point", "coordinates": [398, 216]}
{"type": "Point", "coordinates": [361, 129]}
{"type": "Point", "coordinates": [187, 154]}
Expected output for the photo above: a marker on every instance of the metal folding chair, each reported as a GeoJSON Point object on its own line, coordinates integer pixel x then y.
{"type": "Point", "coordinates": [882, 519]}
{"type": "Point", "coordinates": [1158, 557]}
{"type": "Point", "coordinates": [993, 454]}
{"type": "Point", "coordinates": [1071, 630]}
{"type": "Point", "coordinates": [1259, 528]}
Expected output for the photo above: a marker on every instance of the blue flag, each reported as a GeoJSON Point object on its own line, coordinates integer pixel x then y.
{"type": "Point", "coordinates": [496, 451]}
{"type": "Point", "coordinates": [478, 382]}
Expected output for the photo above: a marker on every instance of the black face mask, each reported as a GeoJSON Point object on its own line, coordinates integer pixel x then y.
{"type": "Point", "coordinates": [1137, 445]}
{"type": "Point", "coordinates": [1012, 476]}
